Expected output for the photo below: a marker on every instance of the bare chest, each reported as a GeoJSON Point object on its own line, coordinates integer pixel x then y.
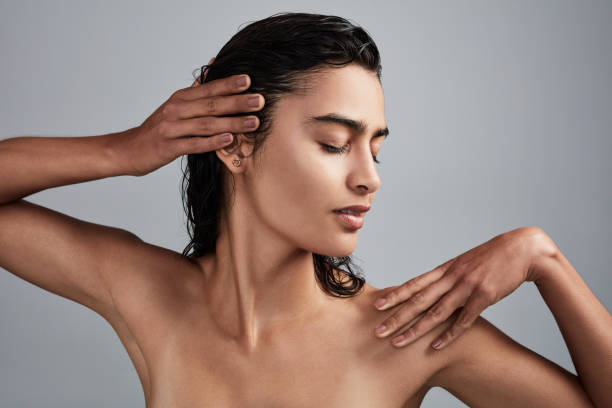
{"type": "Point", "coordinates": [185, 362]}
{"type": "Point", "coordinates": [206, 373]}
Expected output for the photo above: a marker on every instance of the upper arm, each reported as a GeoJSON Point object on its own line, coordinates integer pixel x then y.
{"type": "Point", "coordinates": [63, 255]}
{"type": "Point", "coordinates": [487, 368]}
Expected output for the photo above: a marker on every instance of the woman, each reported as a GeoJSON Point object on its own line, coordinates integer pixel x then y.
{"type": "Point", "coordinates": [265, 310]}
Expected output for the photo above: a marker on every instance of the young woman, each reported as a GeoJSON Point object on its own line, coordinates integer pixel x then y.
{"type": "Point", "coordinates": [262, 308]}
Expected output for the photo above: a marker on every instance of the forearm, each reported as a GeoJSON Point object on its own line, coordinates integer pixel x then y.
{"type": "Point", "coordinates": [584, 322]}
{"type": "Point", "coordinates": [32, 164]}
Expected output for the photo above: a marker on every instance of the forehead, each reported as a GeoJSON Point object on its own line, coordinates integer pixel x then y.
{"type": "Point", "coordinates": [350, 87]}
{"type": "Point", "coordinates": [350, 92]}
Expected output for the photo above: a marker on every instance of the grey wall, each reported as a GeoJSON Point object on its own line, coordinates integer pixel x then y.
{"type": "Point", "coordinates": [500, 117]}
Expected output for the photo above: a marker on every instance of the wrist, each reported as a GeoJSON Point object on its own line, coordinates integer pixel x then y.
{"type": "Point", "coordinates": [114, 145]}
{"type": "Point", "coordinates": [544, 254]}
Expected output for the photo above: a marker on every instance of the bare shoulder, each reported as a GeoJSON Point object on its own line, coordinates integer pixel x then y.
{"type": "Point", "coordinates": [153, 287]}
{"type": "Point", "coordinates": [410, 367]}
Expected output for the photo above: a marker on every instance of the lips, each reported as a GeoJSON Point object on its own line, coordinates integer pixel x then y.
{"type": "Point", "coordinates": [358, 210]}
{"type": "Point", "coordinates": [352, 221]}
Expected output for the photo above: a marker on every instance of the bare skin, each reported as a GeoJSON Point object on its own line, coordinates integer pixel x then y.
{"type": "Point", "coordinates": [248, 325]}
{"type": "Point", "coordinates": [192, 340]}
{"type": "Point", "coordinates": [251, 328]}
{"type": "Point", "coordinates": [329, 358]}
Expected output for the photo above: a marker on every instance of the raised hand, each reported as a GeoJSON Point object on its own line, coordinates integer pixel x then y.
{"type": "Point", "coordinates": [190, 121]}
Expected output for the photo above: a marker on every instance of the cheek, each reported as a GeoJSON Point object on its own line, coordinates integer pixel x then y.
{"type": "Point", "coordinates": [296, 194]}
{"type": "Point", "coordinates": [295, 185]}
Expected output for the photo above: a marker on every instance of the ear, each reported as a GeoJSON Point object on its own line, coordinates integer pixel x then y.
{"type": "Point", "coordinates": [197, 81]}
{"type": "Point", "coordinates": [238, 149]}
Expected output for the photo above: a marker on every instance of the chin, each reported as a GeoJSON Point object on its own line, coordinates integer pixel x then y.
{"type": "Point", "coordinates": [339, 253]}
{"type": "Point", "coordinates": [333, 245]}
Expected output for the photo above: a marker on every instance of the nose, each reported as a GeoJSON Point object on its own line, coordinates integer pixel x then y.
{"type": "Point", "coordinates": [364, 176]}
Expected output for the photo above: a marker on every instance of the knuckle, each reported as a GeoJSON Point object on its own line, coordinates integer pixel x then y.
{"type": "Point", "coordinates": [453, 273]}
{"type": "Point", "coordinates": [188, 145]}
{"type": "Point", "coordinates": [176, 94]}
{"type": "Point", "coordinates": [469, 279]}
{"type": "Point", "coordinates": [417, 298]}
{"type": "Point", "coordinates": [462, 324]}
{"type": "Point", "coordinates": [457, 329]}
{"type": "Point", "coordinates": [436, 312]}
{"type": "Point", "coordinates": [410, 333]}
{"type": "Point", "coordinates": [195, 143]}
{"type": "Point", "coordinates": [412, 283]}
{"type": "Point", "coordinates": [205, 124]}
{"type": "Point", "coordinates": [391, 322]}
{"type": "Point", "coordinates": [404, 314]}
{"type": "Point", "coordinates": [211, 104]}
{"type": "Point", "coordinates": [448, 336]}
{"type": "Point", "coordinates": [168, 110]}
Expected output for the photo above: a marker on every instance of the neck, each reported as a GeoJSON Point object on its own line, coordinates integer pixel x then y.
{"type": "Point", "coordinates": [259, 285]}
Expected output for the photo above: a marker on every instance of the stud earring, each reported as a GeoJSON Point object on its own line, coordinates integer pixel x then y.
{"type": "Point", "coordinates": [236, 162]}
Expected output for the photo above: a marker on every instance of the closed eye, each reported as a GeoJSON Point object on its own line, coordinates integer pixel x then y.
{"type": "Point", "coordinates": [340, 150]}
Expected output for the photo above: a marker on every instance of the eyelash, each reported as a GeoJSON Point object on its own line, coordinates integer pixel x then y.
{"type": "Point", "coordinates": [340, 150]}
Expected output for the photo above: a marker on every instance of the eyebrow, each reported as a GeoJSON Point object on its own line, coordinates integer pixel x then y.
{"type": "Point", "coordinates": [357, 125]}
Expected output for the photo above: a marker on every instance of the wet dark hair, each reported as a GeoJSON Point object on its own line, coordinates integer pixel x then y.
{"type": "Point", "coordinates": [281, 54]}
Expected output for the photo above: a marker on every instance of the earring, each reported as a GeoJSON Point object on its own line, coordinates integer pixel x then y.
{"type": "Point", "coordinates": [236, 162]}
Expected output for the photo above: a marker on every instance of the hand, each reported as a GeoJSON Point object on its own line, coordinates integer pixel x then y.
{"type": "Point", "coordinates": [475, 280]}
{"type": "Point", "coordinates": [185, 123]}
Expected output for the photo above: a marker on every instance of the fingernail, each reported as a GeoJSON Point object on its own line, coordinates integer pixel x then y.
{"type": "Point", "coordinates": [241, 81]}
{"type": "Point", "coordinates": [380, 329]}
{"type": "Point", "coordinates": [437, 344]}
{"type": "Point", "coordinates": [253, 101]}
{"type": "Point", "coordinates": [398, 339]}
{"type": "Point", "coordinates": [380, 303]}
{"type": "Point", "coordinates": [227, 137]}
{"type": "Point", "coordinates": [249, 123]}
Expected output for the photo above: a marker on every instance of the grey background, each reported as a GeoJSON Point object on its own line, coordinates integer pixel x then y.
{"type": "Point", "coordinates": [500, 117]}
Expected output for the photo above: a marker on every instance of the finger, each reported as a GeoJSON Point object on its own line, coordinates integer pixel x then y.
{"type": "Point", "coordinates": [406, 290]}
{"type": "Point", "coordinates": [474, 306]}
{"type": "Point", "coordinates": [437, 314]}
{"type": "Point", "coordinates": [210, 125]}
{"type": "Point", "coordinates": [222, 86]}
{"type": "Point", "coordinates": [417, 303]}
{"type": "Point", "coordinates": [194, 145]}
{"type": "Point", "coordinates": [213, 106]}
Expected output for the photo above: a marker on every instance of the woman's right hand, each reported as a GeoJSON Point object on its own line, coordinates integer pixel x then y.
{"type": "Point", "coordinates": [190, 121]}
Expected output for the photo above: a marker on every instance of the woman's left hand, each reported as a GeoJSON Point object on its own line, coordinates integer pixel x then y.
{"type": "Point", "coordinates": [475, 280]}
